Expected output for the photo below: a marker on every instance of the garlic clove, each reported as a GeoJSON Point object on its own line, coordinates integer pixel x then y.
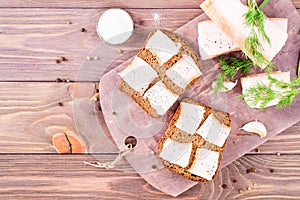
{"type": "Point", "coordinates": [228, 85]}
{"type": "Point", "coordinates": [255, 127]}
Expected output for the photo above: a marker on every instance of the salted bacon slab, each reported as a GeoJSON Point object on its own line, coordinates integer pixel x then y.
{"type": "Point", "coordinates": [229, 16]}
{"type": "Point", "coordinates": [262, 79]}
{"type": "Point", "coordinates": [213, 41]}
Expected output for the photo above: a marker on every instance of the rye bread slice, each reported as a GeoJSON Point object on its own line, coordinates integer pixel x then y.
{"type": "Point", "coordinates": [197, 141]}
{"type": "Point", "coordinates": [153, 60]}
{"type": "Point", "coordinates": [138, 98]}
{"type": "Point", "coordinates": [185, 49]}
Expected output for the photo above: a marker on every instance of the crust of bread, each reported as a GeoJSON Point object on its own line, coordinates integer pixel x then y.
{"type": "Point", "coordinates": [197, 141]}
{"type": "Point", "coordinates": [147, 56]}
{"type": "Point", "coordinates": [138, 98]}
{"type": "Point", "coordinates": [183, 172]}
{"type": "Point", "coordinates": [152, 60]}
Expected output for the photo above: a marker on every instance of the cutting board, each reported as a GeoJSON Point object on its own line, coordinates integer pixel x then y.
{"type": "Point", "coordinates": [143, 158]}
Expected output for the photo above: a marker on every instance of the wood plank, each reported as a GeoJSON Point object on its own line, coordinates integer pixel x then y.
{"type": "Point", "coordinates": [24, 32]}
{"type": "Point", "coordinates": [30, 115]}
{"type": "Point", "coordinates": [39, 111]}
{"type": "Point", "coordinates": [100, 4]}
{"type": "Point", "coordinates": [286, 142]}
{"type": "Point", "coordinates": [29, 118]}
{"type": "Point", "coordinates": [65, 177]}
{"type": "Point", "coordinates": [105, 4]}
{"type": "Point", "coordinates": [32, 39]}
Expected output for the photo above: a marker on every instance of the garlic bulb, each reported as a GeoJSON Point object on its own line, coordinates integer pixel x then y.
{"type": "Point", "coordinates": [228, 85]}
{"type": "Point", "coordinates": [255, 127]}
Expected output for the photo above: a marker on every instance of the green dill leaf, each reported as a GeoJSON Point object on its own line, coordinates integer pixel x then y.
{"type": "Point", "coordinates": [277, 83]}
{"type": "Point", "coordinates": [298, 73]}
{"type": "Point", "coordinates": [262, 94]}
{"type": "Point", "coordinates": [263, 4]}
{"type": "Point", "coordinates": [295, 82]}
{"type": "Point", "coordinates": [231, 66]}
{"type": "Point", "coordinates": [254, 18]}
{"type": "Point", "coordinates": [289, 96]}
{"type": "Point", "coordinates": [229, 69]}
{"type": "Point", "coordinates": [219, 82]}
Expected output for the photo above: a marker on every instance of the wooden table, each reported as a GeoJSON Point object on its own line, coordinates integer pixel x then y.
{"type": "Point", "coordinates": [34, 106]}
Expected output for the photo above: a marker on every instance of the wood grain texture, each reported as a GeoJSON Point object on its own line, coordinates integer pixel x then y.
{"type": "Point", "coordinates": [105, 4]}
{"type": "Point", "coordinates": [99, 4]}
{"type": "Point", "coordinates": [33, 34]}
{"type": "Point", "coordinates": [286, 142]}
{"type": "Point", "coordinates": [31, 40]}
{"type": "Point", "coordinates": [30, 115]}
{"type": "Point", "coordinates": [65, 177]}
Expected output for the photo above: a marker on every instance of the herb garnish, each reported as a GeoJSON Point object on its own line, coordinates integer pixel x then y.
{"type": "Point", "coordinates": [229, 68]}
{"type": "Point", "coordinates": [262, 94]}
{"type": "Point", "coordinates": [298, 72]}
{"type": "Point", "coordinates": [254, 18]}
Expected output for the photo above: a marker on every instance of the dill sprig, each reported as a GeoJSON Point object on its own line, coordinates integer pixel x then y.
{"type": "Point", "coordinates": [254, 18]}
{"type": "Point", "coordinates": [262, 94]}
{"type": "Point", "coordinates": [229, 68]}
{"type": "Point", "coordinates": [298, 71]}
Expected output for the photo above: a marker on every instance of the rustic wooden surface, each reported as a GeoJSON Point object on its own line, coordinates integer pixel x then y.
{"type": "Point", "coordinates": [33, 34]}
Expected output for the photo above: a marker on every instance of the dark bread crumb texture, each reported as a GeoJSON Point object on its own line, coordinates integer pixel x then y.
{"type": "Point", "coordinates": [138, 98]}
{"type": "Point", "coordinates": [153, 61]}
{"type": "Point", "coordinates": [197, 141]}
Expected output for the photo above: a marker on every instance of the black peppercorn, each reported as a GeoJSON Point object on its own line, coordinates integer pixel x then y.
{"type": "Point", "coordinates": [224, 186]}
